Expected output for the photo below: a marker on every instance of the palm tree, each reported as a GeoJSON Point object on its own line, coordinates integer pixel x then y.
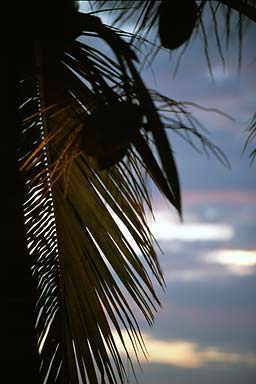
{"type": "Point", "coordinates": [86, 132]}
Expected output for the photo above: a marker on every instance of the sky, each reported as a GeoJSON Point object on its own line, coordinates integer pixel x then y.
{"type": "Point", "coordinates": [205, 330]}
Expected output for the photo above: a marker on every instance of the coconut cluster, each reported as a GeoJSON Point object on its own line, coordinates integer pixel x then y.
{"type": "Point", "coordinates": [176, 22]}
{"type": "Point", "coordinates": [109, 131]}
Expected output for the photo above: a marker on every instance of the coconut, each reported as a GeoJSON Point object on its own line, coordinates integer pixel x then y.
{"type": "Point", "coordinates": [106, 161]}
{"type": "Point", "coordinates": [176, 22]}
{"type": "Point", "coordinates": [109, 130]}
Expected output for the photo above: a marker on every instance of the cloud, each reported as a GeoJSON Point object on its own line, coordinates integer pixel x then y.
{"type": "Point", "coordinates": [194, 274]}
{"type": "Point", "coordinates": [163, 229]}
{"type": "Point", "coordinates": [239, 261]}
{"type": "Point", "coordinates": [184, 354]}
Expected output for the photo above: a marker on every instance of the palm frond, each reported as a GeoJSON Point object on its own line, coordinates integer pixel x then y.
{"type": "Point", "coordinates": [251, 137]}
{"type": "Point", "coordinates": [83, 263]}
{"type": "Point", "coordinates": [144, 15]}
{"type": "Point", "coordinates": [40, 227]}
{"type": "Point", "coordinates": [176, 117]}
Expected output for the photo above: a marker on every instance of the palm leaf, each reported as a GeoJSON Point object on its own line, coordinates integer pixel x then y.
{"type": "Point", "coordinates": [82, 261]}
{"type": "Point", "coordinates": [251, 137]}
{"type": "Point", "coordinates": [145, 17]}
{"type": "Point", "coordinates": [176, 116]}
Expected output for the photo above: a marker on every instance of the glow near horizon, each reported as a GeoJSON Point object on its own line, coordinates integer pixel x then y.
{"type": "Point", "coordinates": [182, 353]}
{"type": "Point", "coordinates": [239, 261]}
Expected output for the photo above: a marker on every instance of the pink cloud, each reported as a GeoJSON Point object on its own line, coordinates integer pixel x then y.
{"type": "Point", "coordinates": [219, 196]}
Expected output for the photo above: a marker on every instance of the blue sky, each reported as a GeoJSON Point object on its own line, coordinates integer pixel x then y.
{"type": "Point", "coordinates": [205, 330]}
{"type": "Point", "coordinates": [209, 260]}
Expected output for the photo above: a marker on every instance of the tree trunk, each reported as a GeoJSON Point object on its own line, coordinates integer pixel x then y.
{"type": "Point", "coordinates": [19, 356]}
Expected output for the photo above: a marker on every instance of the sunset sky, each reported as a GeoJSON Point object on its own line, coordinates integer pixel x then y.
{"type": "Point", "coordinates": [205, 330]}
